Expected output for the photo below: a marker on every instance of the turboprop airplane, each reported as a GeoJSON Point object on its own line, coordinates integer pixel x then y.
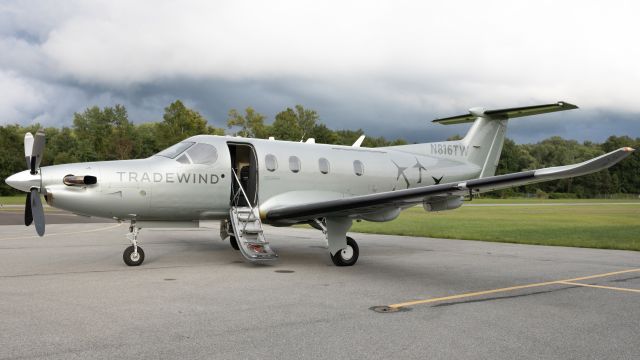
{"type": "Point", "coordinates": [246, 183]}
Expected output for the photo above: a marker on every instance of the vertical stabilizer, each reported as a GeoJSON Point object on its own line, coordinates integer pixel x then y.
{"type": "Point", "coordinates": [482, 145]}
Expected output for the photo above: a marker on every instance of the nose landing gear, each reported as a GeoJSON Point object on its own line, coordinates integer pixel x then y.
{"type": "Point", "coordinates": [133, 255]}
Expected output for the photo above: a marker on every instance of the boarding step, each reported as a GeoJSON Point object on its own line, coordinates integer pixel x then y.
{"type": "Point", "coordinates": [253, 227]}
{"type": "Point", "coordinates": [247, 228]}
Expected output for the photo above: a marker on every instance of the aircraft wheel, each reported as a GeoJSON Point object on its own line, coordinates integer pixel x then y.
{"type": "Point", "coordinates": [234, 242]}
{"type": "Point", "coordinates": [347, 256]}
{"type": "Point", "coordinates": [132, 259]}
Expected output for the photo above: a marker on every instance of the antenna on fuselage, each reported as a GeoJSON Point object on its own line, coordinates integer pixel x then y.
{"type": "Point", "coordinates": [359, 141]}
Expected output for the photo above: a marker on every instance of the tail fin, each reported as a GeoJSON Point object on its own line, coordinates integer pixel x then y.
{"type": "Point", "coordinates": [485, 138]}
{"type": "Point", "coordinates": [483, 143]}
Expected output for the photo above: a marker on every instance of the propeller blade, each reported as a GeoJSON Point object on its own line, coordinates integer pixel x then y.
{"type": "Point", "coordinates": [28, 218]}
{"type": "Point", "coordinates": [37, 211]}
{"type": "Point", "coordinates": [36, 153]}
{"type": "Point", "coordinates": [28, 148]}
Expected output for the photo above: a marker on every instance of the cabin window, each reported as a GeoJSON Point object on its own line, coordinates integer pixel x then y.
{"type": "Point", "coordinates": [358, 167]}
{"type": "Point", "coordinates": [323, 165]}
{"type": "Point", "coordinates": [202, 154]}
{"type": "Point", "coordinates": [271, 162]}
{"type": "Point", "coordinates": [294, 164]}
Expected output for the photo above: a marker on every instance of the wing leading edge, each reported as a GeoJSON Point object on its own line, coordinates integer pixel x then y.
{"type": "Point", "coordinates": [364, 204]}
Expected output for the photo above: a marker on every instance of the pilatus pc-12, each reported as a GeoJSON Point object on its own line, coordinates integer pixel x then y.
{"type": "Point", "coordinates": [246, 183]}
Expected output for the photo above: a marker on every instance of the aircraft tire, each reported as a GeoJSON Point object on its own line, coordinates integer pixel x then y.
{"type": "Point", "coordinates": [347, 256]}
{"type": "Point", "coordinates": [234, 242]}
{"type": "Point", "coordinates": [132, 260]}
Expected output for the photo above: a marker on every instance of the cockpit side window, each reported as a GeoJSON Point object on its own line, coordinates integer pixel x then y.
{"type": "Point", "coordinates": [202, 154]}
{"type": "Point", "coordinates": [183, 159]}
{"type": "Point", "coordinates": [175, 150]}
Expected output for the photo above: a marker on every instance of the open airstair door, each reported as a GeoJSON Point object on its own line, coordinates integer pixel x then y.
{"type": "Point", "coordinates": [244, 214]}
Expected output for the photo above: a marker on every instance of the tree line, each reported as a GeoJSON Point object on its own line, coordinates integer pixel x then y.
{"type": "Point", "coordinates": [108, 134]}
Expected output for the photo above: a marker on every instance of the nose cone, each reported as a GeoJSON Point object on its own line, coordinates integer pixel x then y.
{"type": "Point", "coordinates": [23, 181]}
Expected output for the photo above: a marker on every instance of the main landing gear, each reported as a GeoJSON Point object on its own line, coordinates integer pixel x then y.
{"type": "Point", "coordinates": [343, 249]}
{"type": "Point", "coordinates": [347, 256]}
{"type": "Point", "coordinates": [133, 255]}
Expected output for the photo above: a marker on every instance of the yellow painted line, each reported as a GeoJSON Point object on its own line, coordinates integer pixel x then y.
{"type": "Point", "coordinates": [66, 233]}
{"type": "Point", "coordinates": [511, 288]}
{"type": "Point", "coordinates": [600, 286]}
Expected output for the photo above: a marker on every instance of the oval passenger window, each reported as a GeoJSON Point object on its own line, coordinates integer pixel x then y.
{"type": "Point", "coordinates": [271, 162]}
{"type": "Point", "coordinates": [323, 165]}
{"type": "Point", "coordinates": [358, 167]}
{"type": "Point", "coordinates": [294, 164]}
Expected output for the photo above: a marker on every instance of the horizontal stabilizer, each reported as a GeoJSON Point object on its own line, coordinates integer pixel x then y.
{"type": "Point", "coordinates": [503, 114]}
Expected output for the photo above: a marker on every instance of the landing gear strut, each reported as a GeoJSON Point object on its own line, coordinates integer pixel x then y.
{"type": "Point", "coordinates": [343, 253]}
{"type": "Point", "coordinates": [226, 230]}
{"type": "Point", "coordinates": [347, 256]}
{"type": "Point", "coordinates": [133, 255]}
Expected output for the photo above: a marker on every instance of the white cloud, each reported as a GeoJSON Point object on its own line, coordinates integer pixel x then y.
{"type": "Point", "coordinates": [417, 57]}
{"type": "Point", "coordinates": [17, 98]}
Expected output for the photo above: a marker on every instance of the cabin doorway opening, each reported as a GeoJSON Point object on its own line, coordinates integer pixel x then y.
{"type": "Point", "coordinates": [245, 166]}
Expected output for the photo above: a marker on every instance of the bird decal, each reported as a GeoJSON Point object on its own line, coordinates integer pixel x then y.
{"type": "Point", "coordinates": [401, 170]}
{"type": "Point", "coordinates": [420, 168]}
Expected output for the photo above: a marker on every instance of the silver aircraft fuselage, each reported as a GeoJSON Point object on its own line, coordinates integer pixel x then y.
{"type": "Point", "coordinates": [162, 189]}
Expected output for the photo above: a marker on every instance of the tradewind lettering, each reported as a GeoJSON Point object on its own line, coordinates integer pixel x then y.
{"type": "Point", "coordinates": [170, 178]}
{"type": "Point", "coordinates": [448, 149]}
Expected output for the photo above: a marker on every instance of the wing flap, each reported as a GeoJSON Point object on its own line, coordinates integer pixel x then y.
{"type": "Point", "coordinates": [358, 205]}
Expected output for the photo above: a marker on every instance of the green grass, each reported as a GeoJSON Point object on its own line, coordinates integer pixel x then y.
{"type": "Point", "coordinates": [606, 226]}
{"type": "Point", "coordinates": [13, 200]}
{"type": "Point", "coordinates": [538, 201]}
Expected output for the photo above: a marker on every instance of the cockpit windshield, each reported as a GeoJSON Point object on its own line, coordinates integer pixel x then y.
{"type": "Point", "coordinates": [175, 150]}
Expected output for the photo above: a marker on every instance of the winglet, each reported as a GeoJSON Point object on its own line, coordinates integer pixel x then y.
{"type": "Point", "coordinates": [587, 167]}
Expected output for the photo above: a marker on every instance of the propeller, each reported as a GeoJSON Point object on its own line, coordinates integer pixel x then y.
{"type": "Point", "coordinates": [33, 150]}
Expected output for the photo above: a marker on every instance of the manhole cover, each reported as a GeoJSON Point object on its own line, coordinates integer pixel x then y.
{"type": "Point", "coordinates": [285, 271]}
{"type": "Point", "coordinates": [387, 309]}
{"type": "Point", "coordinates": [169, 279]}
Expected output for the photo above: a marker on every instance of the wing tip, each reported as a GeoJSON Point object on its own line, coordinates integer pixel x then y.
{"type": "Point", "coordinates": [567, 105]}
{"type": "Point", "coordinates": [628, 149]}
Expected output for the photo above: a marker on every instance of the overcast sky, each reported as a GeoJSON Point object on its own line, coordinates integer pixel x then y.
{"type": "Point", "coordinates": [388, 67]}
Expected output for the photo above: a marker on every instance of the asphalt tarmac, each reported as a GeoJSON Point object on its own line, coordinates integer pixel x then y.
{"type": "Point", "coordinates": [68, 295]}
{"type": "Point", "coordinates": [14, 215]}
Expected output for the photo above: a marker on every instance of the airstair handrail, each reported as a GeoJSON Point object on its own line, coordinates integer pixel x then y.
{"type": "Point", "coordinates": [241, 190]}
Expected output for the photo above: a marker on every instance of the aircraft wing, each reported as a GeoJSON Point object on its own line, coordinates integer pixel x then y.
{"type": "Point", "coordinates": [367, 204]}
